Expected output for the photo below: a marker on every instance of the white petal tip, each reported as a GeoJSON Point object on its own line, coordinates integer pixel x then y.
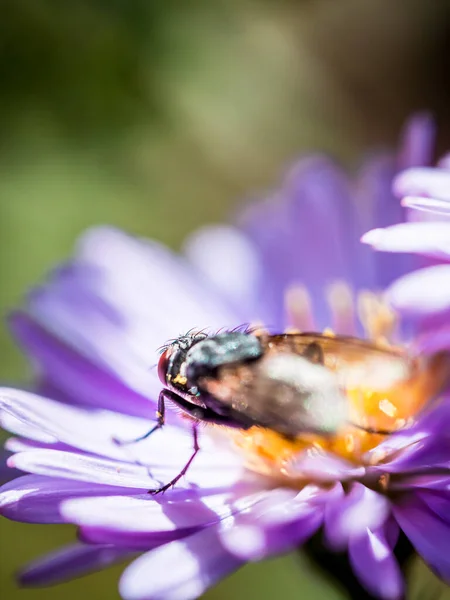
{"type": "Point", "coordinates": [372, 237]}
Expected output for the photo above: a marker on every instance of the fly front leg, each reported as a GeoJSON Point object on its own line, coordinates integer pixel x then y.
{"type": "Point", "coordinates": [184, 470]}
{"type": "Point", "coordinates": [160, 420]}
{"type": "Point", "coordinates": [199, 414]}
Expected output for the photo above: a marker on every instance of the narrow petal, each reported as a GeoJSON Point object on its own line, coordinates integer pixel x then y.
{"type": "Point", "coordinates": [200, 562]}
{"type": "Point", "coordinates": [418, 143]}
{"type": "Point", "coordinates": [93, 431]}
{"type": "Point", "coordinates": [377, 207]}
{"type": "Point", "coordinates": [70, 562]}
{"type": "Point", "coordinates": [313, 218]}
{"type": "Point", "coordinates": [375, 565]}
{"type": "Point", "coordinates": [430, 238]}
{"type": "Point", "coordinates": [15, 444]}
{"type": "Point", "coordinates": [438, 501]}
{"type": "Point", "coordinates": [427, 482]}
{"type": "Point", "coordinates": [428, 533]}
{"type": "Point", "coordinates": [276, 525]}
{"type": "Point", "coordinates": [425, 181]}
{"type": "Point", "coordinates": [422, 293]}
{"type": "Point", "coordinates": [444, 162]}
{"type": "Point", "coordinates": [423, 448]}
{"type": "Point", "coordinates": [81, 379]}
{"type": "Point", "coordinates": [322, 466]}
{"type": "Point", "coordinates": [240, 275]}
{"type": "Point", "coordinates": [96, 432]}
{"type": "Point", "coordinates": [97, 308]}
{"type": "Point", "coordinates": [349, 515]}
{"type": "Point", "coordinates": [421, 456]}
{"type": "Point", "coordinates": [37, 499]}
{"type": "Point", "coordinates": [138, 541]}
{"type": "Point", "coordinates": [132, 267]}
{"type": "Point", "coordinates": [54, 463]}
{"type": "Point", "coordinates": [24, 429]}
{"type": "Point", "coordinates": [429, 205]}
{"type": "Point", "coordinates": [433, 340]}
{"type": "Point", "coordinates": [146, 513]}
{"type": "Point", "coordinates": [68, 465]}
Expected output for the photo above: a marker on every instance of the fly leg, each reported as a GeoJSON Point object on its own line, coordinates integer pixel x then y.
{"type": "Point", "coordinates": [198, 413]}
{"type": "Point", "coordinates": [160, 420]}
{"type": "Point", "coordinates": [184, 470]}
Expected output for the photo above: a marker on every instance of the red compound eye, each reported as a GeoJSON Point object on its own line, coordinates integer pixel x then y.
{"type": "Point", "coordinates": [163, 364]}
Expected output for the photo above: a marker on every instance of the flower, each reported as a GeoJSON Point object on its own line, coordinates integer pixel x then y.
{"type": "Point", "coordinates": [92, 330]}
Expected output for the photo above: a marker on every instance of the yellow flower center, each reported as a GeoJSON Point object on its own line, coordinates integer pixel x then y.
{"type": "Point", "coordinates": [388, 410]}
{"type": "Point", "coordinates": [384, 395]}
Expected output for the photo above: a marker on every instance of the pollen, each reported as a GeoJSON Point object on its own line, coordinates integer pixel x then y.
{"type": "Point", "coordinates": [387, 407]}
{"type": "Point", "coordinates": [180, 379]}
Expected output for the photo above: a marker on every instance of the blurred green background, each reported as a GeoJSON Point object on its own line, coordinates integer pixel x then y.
{"type": "Point", "coordinates": [161, 116]}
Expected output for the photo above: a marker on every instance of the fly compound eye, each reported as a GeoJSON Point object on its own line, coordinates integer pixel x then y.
{"type": "Point", "coordinates": [163, 365]}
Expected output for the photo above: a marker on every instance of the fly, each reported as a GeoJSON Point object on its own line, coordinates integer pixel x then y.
{"type": "Point", "coordinates": [290, 383]}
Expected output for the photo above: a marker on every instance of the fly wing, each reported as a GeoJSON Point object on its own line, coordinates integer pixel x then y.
{"type": "Point", "coordinates": [285, 392]}
{"type": "Point", "coordinates": [356, 362]}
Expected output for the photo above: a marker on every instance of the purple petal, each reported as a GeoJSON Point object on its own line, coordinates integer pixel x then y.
{"type": "Point", "coordinates": [312, 218]}
{"type": "Point", "coordinates": [349, 515]}
{"type": "Point", "coordinates": [422, 447]}
{"type": "Point", "coordinates": [131, 268]}
{"type": "Point", "coordinates": [240, 274]}
{"type": "Point", "coordinates": [251, 542]}
{"type": "Point", "coordinates": [433, 340]}
{"type": "Point", "coordinates": [322, 467]}
{"type": "Point", "coordinates": [70, 562]}
{"type": "Point", "coordinates": [37, 499]}
{"type": "Point", "coordinates": [432, 482]}
{"type": "Point", "coordinates": [428, 533]}
{"type": "Point", "coordinates": [417, 146]}
{"type": "Point", "coordinates": [81, 380]}
{"type": "Point", "coordinates": [430, 238]}
{"type": "Point", "coordinates": [24, 429]}
{"type": "Point", "coordinates": [69, 465]}
{"type": "Point", "coordinates": [267, 225]}
{"type": "Point", "coordinates": [278, 524]}
{"type": "Point", "coordinates": [438, 501]}
{"type": "Point", "coordinates": [378, 208]}
{"type": "Point", "coordinates": [428, 182]}
{"type": "Point", "coordinates": [422, 293]}
{"type": "Point", "coordinates": [319, 196]}
{"type": "Point", "coordinates": [98, 307]}
{"type": "Point", "coordinates": [95, 432]}
{"type": "Point", "coordinates": [146, 513]}
{"type": "Point", "coordinates": [16, 444]}
{"type": "Point", "coordinates": [444, 162]}
{"type": "Point", "coordinates": [429, 205]}
{"type": "Point", "coordinates": [181, 570]}
{"type": "Point", "coordinates": [138, 541]}
{"type": "Point", "coordinates": [392, 532]}
{"type": "Point", "coordinates": [375, 565]}
{"type": "Point", "coordinates": [423, 455]}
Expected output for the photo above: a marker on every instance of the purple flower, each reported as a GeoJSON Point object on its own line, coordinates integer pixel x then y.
{"type": "Point", "coordinates": [92, 331]}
